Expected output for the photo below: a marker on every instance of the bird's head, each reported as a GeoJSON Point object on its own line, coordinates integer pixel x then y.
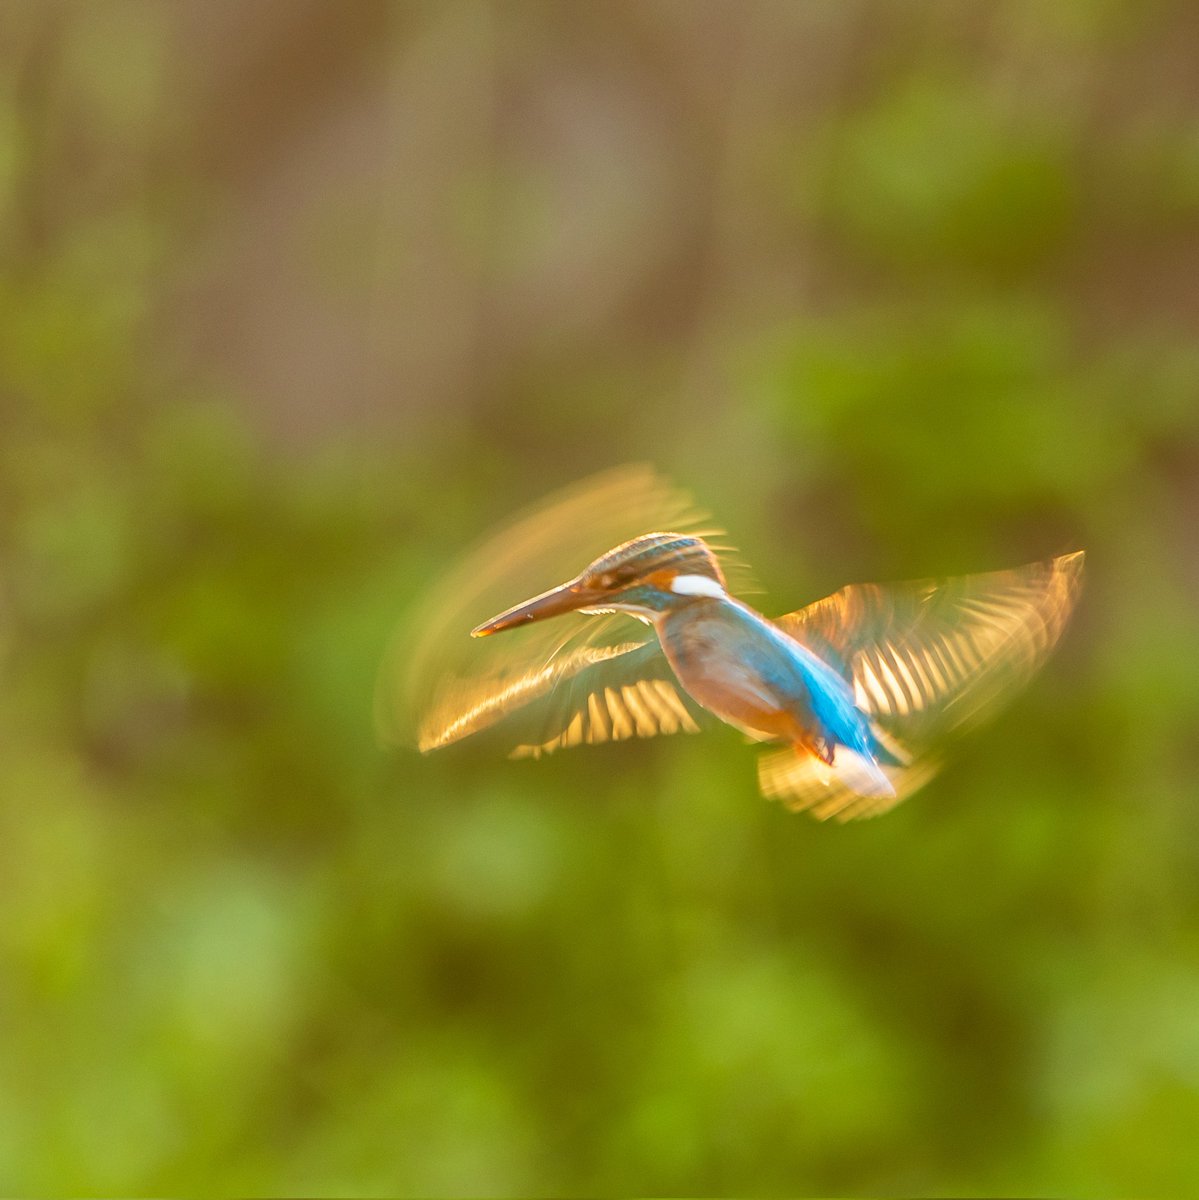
{"type": "Point", "coordinates": [649, 575]}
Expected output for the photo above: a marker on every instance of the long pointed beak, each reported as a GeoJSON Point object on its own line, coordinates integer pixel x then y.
{"type": "Point", "coordinates": [567, 598]}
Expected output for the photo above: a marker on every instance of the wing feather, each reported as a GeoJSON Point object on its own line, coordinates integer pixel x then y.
{"type": "Point", "coordinates": [581, 699]}
{"type": "Point", "coordinates": [578, 680]}
{"type": "Point", "coordinates": [925, 659]}
{"type": "Point", "coordinates": [943, 653]}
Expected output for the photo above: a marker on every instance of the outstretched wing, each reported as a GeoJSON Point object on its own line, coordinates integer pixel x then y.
{"type": "Point", "coordinates": [575, 680]}
{"type": "Point", "coordinates": [582, 696]}
{"type": "Point", "coordinates": [928, 658]}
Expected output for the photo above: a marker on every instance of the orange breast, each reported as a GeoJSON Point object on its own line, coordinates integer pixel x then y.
{"type": "Point", "coordinates": [749, 713]}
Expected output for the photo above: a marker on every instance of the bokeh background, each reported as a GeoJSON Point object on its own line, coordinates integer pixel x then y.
{"type": "Point", "coordinates": [296, 300]}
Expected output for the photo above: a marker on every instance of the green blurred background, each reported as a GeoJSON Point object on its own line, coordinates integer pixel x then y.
{"type": "Point", "coordinates": [296, 301]}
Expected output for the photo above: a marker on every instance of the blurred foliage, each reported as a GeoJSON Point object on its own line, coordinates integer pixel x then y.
{"type": "Point", "coordinates": [295, 301]}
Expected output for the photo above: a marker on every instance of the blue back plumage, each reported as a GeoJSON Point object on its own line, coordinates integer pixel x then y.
{"type": "Point", "coordinates": [834, 707]}
{"type": "Point", "coordinates": [730, 645]}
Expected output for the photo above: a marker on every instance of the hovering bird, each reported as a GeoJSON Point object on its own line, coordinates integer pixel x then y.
{"type": "Point", "coordinates": [857, 691]}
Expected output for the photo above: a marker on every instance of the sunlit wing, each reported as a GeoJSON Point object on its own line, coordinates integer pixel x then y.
{"type": "Point", "coordinates": [926, 659]}
{"type": "Point", "coordinates": [942, 652]}
{"type": "Point", "coordinates": [575, 680]}
{"type": "Point", "coordinates": [584, 696]}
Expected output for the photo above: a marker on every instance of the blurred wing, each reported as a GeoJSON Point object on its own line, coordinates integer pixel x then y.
{"type": "Point", "coordinates": [561, 682]}
{"type": "Point", "coordinates": [926, 659]}
{"type": "Point", "coordinates": [583, 696]}
{"type": "Point", "coordinates": [942, 653]}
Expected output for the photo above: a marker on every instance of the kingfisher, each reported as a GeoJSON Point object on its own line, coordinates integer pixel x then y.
{"type": "Point", "coordinates": [854, 695]}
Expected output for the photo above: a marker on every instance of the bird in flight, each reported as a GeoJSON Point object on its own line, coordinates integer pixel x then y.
{"type": "Point", "coordinates": [854, 695]}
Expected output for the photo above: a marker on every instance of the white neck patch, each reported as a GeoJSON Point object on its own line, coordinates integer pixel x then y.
{"type": "Point", "coordinates": [696, 585]}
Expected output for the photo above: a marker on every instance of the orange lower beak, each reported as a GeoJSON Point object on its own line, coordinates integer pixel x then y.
{"type": "Point", "coordinates": [568, 598]}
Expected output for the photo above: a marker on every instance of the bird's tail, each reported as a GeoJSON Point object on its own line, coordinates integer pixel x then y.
{"type": "Point", "coordinates": [853, 786]}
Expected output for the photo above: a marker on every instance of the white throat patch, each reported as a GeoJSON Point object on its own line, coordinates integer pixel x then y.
{"type": "Point", "coordinates": [696, 585]}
